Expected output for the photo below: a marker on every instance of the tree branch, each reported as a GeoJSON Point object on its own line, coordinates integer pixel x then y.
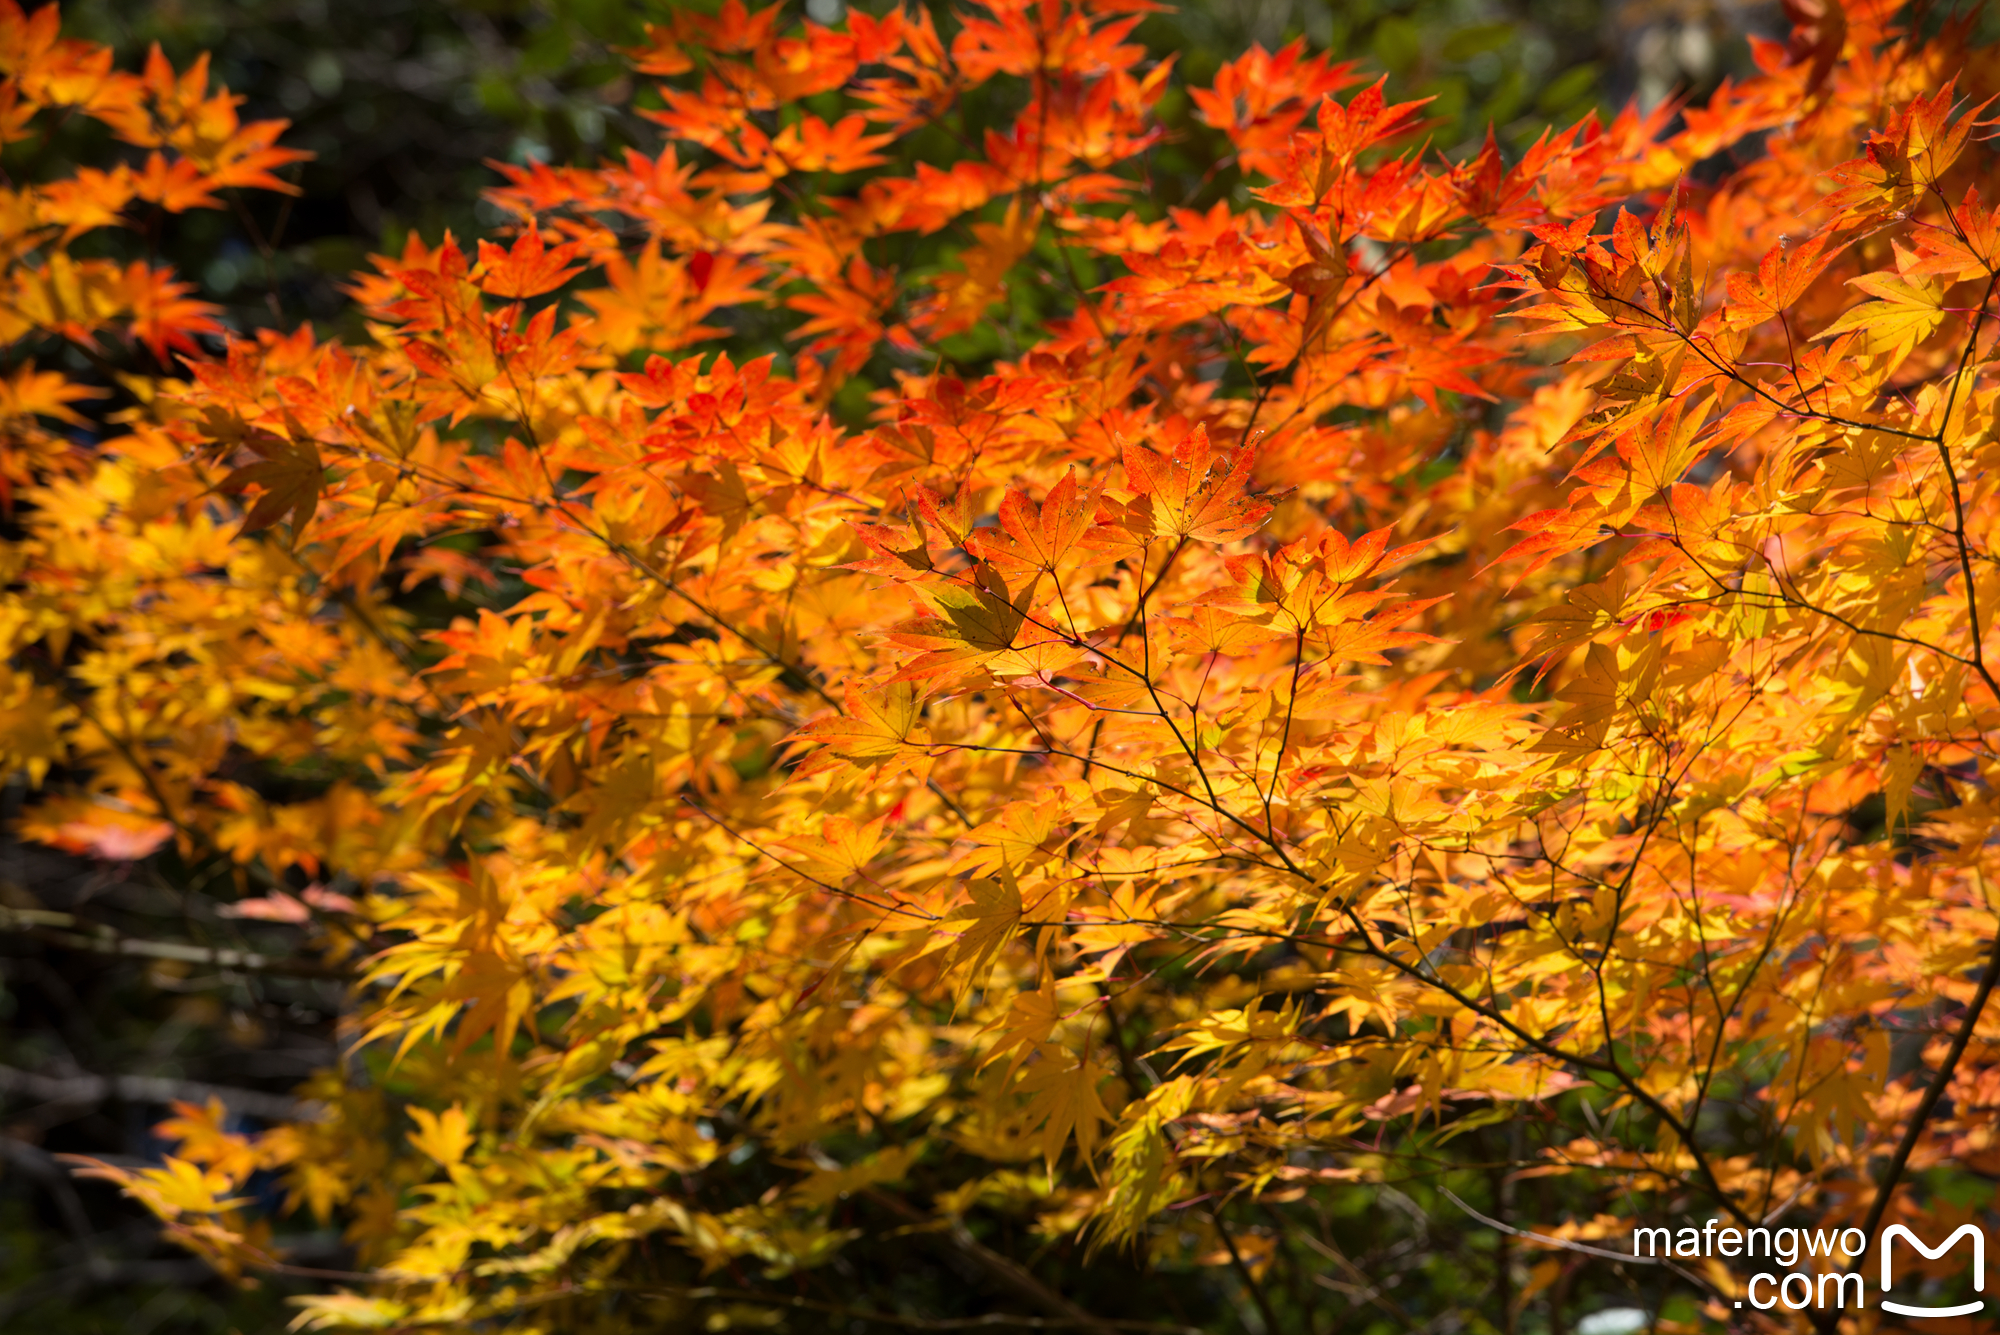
{"type": "Point", "coordinates": [83, 1091]}
{"type": "Point", "coordinates": [74, 933]}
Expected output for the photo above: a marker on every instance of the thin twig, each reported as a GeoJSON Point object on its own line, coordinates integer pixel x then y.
{"type": "Point", "coordinates": [1562, 1243]}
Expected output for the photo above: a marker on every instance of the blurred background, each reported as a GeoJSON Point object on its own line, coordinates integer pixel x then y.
{"type": "Point", "coordinates": [405, 103]}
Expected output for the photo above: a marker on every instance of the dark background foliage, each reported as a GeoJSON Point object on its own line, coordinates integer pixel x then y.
{"type": "Point", "coordinates": [404, 104]}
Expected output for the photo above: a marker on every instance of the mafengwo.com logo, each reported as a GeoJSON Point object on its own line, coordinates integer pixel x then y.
{"type": "Point", "coordinates": [1833, 1272]}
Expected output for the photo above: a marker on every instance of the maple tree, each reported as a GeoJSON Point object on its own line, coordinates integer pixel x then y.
{"type": "Point", "coordinates": [1429, 693]}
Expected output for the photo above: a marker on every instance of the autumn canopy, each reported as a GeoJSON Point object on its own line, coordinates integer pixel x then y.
{"type": "Point", "coordinates": [1442, 691]}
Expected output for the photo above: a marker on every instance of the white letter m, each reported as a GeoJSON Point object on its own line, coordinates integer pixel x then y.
{"type": "Point", "coordinates": [1972, 1231]}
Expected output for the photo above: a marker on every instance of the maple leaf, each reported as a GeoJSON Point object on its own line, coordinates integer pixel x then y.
{"type": "Point", "coordinates": [842, 849]}
{"type": "Point", "coordinates": [1040, 537]}
{"type": "Point", "coordinates": [812, 145]}
{"type": "Point", "coordinates": [962, 297]}
{"type": "Point", "coordinates": [528, 269]}
{"type": "Point", "coordinates": [1584, 613]}
{"type": "Point", "coordinates": [1319, 280]}
{"type": "Point", "coordinates": [1902, 767]}
{"type": "Point", "coordinates": [846, 313]}
{"type": "Point", "coordinates": [203, 1139]}
{"type": "Point", "coordinates": [1782, 278]}
{"type": "Point", "coordinates": [178, 1187]}
{"type": "Point", "coordinates": [1967, 247]}
{"type": "Point", "coordinates": [1820, 32]}
{"type": "Point", "coordinates": [982, 624]}
{"type": "Point", "coordinates": [1209, 629]}
{"type": "Point", "coordinates": [880, 725]}
{"type": "Point", "coordinates": [103, 826]}
{"type": "Point", "coordinates": [1065, 1104]}
{"type": "Point", "coordinates": [1197, 493]}
{"type": "Point", "coordinates": [289, 476]}
{"type": "Point", "coordinates": [992, 918]}
{"type": "Point", "coordinates": [29, 392]}
{"type": "Point", "coordinates": [1905, 310]}
{"type": "Point", "coordinates": [163, 315]}
{"type": "Point", "coordinates": [443, 1137]}
{"type": "Point", "coordinates": [1030, 1019]}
